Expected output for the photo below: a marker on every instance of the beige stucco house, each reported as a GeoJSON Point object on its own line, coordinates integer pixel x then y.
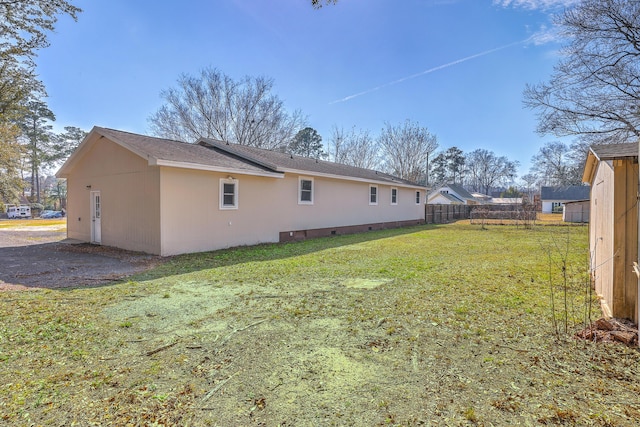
{"type": "Point", "coordinates": [612, 172]}
{"type": "Point", "coordinates": [167, 197]}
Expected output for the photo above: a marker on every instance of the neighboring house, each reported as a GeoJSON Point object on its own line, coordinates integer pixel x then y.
{"type": "Point", "coordinates": [612, 172]}
{"type": "Point", "coordinates": [167, 197]}
{"type": "Point", "coordinates": [577, 211]}
{"type": "Point", "coordinates": [506, 200]}
{"type": "Point", "coordinates": [451, 194]}
{"type": "Point", "coordinates": [481, 198]}
{"type": "Point", "coordinates": [553, 198]}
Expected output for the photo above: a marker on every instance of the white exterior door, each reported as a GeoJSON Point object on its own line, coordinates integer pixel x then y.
{"type": "Point", "coordinates": [96, 214]}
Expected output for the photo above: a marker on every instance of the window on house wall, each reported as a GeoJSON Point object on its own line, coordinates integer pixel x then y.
{"type": "Point", "coordinates": [373, 194]}
{"type": "Point", "coordinates": [305, 191]}
{"type": "Point", "coordinates": [417, 197]}
{"type": "Point", "coordinates": [228, 193]}
{"type": "Point", "coordinates": [394, 196]}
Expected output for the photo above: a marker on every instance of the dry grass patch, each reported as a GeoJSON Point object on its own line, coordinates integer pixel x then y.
{"type": "Point", "coordinates": [433, 325]}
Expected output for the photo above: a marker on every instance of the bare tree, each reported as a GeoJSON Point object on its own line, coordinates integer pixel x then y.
{"type": "Point", "coordinates": [553, 166]}
{"type": "Point", "coordinates": [594, 92]}
{"type": "Point", "coordinates": [406, 149]}
{"type": "Point", "coordinates": [355, 148]}
{"type": "Point", "coordinates": [529, 184]}
{"type": "Point", "coordinates": [485, 170]}
{"type": "Point", "coordinates": [213, 105]}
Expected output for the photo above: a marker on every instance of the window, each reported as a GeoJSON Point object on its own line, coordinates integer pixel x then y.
{"type": "Point", "coordinates": [417, 197]}
{"type": "Point", "coordinates": [394, 196]}
{"type": "Point", "coordinates": [229, 193]}
{"type": "Point", "coordinates": [305, 191]}
{"type": "Point", "coordinates": [373, 194]}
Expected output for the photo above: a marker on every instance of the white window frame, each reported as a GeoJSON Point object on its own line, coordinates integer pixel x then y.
{"type": "Point", "coordinates": [418, 197]}
{"type": "Point", "coordinates": [394, 190]}
{"type": "Point", "coordinates": [300, 180]}
{"type": "Point", "coordinates": [236, 186]}
{"type": "Point", "coordinates": [375, 202]}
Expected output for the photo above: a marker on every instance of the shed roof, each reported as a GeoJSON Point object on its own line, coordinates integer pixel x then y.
{"type": "Point", "coordinates": [601, 152]}
{"type": "Point", "coordinates": [614, 151]}
{"type": "Point", "coordinates": [565, 193]}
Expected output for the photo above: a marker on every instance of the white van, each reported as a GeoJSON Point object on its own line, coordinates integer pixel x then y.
{"type": "Point", "coordinates": [22, 211]}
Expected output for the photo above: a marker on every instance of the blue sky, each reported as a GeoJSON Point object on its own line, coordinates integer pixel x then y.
{"type": "Point", "coordinates": [458, 67]}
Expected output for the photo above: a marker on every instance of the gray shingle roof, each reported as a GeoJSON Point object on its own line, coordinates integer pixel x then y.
{"type": "Point", "coordinates": [460, 191]}
{"type": "Point", "coordinates": [284, 162]}
{"type": "Point", "coordinates": [569, 192]}
{"type": "Point", "coordinates": [614, 151]}
{"type": "Point", "coordinates": [212, 154]}
{"type": "Point", "coordinates": [177, 151]}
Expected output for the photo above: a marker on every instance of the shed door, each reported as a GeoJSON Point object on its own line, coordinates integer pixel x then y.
{"type": "Point", "coordinates": [96, 214]}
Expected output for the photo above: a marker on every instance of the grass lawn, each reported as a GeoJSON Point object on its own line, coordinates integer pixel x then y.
{"type": "Point", "coordinates": [33, 223]}
{"type": "Point", "coordinates": [431, 325]}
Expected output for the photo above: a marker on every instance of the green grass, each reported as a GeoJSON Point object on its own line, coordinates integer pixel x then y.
{"type": "Point", "coordinates": [448, 325]}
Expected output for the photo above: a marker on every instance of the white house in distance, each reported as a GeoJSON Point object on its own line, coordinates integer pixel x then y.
{"type": "Point", "coordinates": [554, 198]}
{"type": "Point", "coordinates": [167, 197]}
{"type": "Point", "coordinates": [451, 194]}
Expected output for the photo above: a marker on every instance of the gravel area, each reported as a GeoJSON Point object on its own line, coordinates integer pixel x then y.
{"type": "Point", "coordinates": [41, 257]}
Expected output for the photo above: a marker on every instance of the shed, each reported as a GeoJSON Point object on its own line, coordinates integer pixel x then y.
{"type": "Point", "coordinates": [612, 172]}
{"type": "Point", "coordinates": [169, 197]}
{"type": "Point", "coordinates": [576, 211]}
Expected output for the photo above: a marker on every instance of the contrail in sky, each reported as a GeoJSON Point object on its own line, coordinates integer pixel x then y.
{"type": "Point", "coordinates": [430, 70]}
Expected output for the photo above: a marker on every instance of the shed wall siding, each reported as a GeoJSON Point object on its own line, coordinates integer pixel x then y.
{"type": "Point", "coordinates": [613, 236]}
{"type": "Point", "coordinates": [626, 232]}
{"type": "Point", "coordinates": [601, 239]}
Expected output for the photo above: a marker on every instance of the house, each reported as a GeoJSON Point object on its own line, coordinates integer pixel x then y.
{"type": "Point", "coordinates": [553, 198]}
{"type": "Point", "coordinates": [506, 200]}
{"type": "Point", "coordinates": [167, 197]}
{"type": "Point", "coordinates": [480, 197]}
{"type": "Point", "coordinates": [451, 194]}
{"type": "Point", "coordinates": [612, 172]}
{"type": "Point", "coordinates": [577, 211]}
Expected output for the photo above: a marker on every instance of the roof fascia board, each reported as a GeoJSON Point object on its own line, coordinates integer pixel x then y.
{"type": "Point", "coordinates": [590, 167]}
{"type": "Point", "coordinates": [197, 166]}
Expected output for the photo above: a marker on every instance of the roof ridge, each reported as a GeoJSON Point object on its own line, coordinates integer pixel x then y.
{"type": "Point", "coordinates": [101, 128]}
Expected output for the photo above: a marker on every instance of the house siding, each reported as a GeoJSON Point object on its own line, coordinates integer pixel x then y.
{"type": "Point", "coordinates": [267, 207]}
{"type": "Point", "coordinates": [130, 198]}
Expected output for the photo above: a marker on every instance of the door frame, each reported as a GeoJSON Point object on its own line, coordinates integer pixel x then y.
{"type": "Point", "coordinates": [96, 217]}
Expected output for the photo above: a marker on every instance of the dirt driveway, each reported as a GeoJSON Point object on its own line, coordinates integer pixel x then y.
{"type": "Point", "coordinates": [33, 256]}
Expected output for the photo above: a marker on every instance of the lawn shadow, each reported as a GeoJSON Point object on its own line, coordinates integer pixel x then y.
{"type": "Point", "coordinates": [188, 263]}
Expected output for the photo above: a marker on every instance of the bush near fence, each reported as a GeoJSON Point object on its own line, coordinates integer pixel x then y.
{"type": "Point", "coordinates": [503, 214]}
{"type": "Point", "coordinates": [439, 214]}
